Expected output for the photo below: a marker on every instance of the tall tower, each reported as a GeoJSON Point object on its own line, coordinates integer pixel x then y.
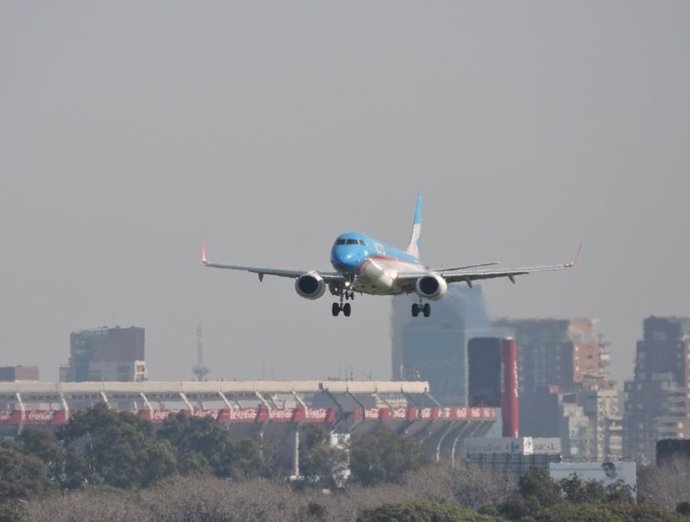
{"type": "Point", "coordinates": [657, 404]}
{"type": "Point", "coordinates": [200, 371]}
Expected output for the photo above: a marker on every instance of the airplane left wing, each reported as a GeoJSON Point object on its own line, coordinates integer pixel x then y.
{"type": "Point", "coordinates": [261, 271]}
{"type": "Point", "coordinates": [466, 275]}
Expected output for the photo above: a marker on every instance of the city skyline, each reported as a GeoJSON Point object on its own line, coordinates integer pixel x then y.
{"type": "Point", "coordinates": [131, 134]}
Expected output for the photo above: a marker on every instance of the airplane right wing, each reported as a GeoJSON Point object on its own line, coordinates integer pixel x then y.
{"type": "Point", "coordinates": [468, 275]}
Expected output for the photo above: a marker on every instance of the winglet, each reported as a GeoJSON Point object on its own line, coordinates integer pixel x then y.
{"type": "Point", "coordinates": [577, 256]}
{"type": "Point", "coordinates": [203, 253]}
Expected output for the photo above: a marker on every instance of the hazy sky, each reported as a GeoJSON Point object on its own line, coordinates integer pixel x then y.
{"type": "Point", "coordinates": [132, 131]}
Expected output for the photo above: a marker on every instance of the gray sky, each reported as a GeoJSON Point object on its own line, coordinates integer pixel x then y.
{"type": "Point", "coordinates": [131, 131]}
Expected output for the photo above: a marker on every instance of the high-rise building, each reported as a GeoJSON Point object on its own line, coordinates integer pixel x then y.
{"type": "Point", "coordinates": [18, 373]}
{"type": "Point", "coordinates": [106, 354]}
{"type": "Point", "coordinates": [564, 387]}
{"type": "Point", "coordinates": [557, 352]}
{"type": "Point", "coordinates": [657, 404]}
{"type": "Point", "coordinates": [434, 349]}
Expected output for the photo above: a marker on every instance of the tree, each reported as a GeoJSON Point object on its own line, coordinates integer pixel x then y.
{"type": "Point", "coordinates": [384, 456]}
{"type": "Point", "coordinates": [321, 464]}
{"type": "Point", "coordinates": [422, 512]}
{"type": "Point", "coordinates": [22, 476]}
{"type": "Point", "coordinates": [117, 448]}
{"type": "Point", "coordinates": [666, 484]}
{"type": "Point", "coordinates": [200, 442]}
{"type": "Point", "coordinates": [10, 514]}
{"type": "Point", "coordinates": [536, 491]}
{"type": "Point", "coordinates": [203, 446]}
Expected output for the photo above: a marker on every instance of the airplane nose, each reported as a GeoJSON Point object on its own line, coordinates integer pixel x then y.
{"type": "Point", "coordinates": [346, 259]}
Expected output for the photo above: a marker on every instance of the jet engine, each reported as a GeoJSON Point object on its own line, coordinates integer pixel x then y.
{"type": "Point", "coordinates": [310, 285]}
{"type": "Point", "coordinates": [431, 286]}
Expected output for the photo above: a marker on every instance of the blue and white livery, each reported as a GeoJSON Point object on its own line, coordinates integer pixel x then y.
{"type": "Point", "coordinates": [363, 264]}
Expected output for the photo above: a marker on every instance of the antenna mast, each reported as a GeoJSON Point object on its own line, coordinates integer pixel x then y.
{"type": "Point", "coordinates": [200, 371]}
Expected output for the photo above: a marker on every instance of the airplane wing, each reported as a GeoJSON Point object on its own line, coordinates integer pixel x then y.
{"type": "Point", "coordinates": [261, 271]}
{"type": "Point", "coordinates": [468, 274]}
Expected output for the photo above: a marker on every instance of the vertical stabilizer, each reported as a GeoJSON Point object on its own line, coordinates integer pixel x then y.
{"type": "Point", "coordinates": [413, 247]}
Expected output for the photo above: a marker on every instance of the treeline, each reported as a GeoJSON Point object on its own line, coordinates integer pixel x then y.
{"type": "Point", "coordinates": [110, 465]}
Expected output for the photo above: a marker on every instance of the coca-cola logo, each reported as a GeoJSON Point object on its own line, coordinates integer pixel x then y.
{"type": "Point", "coordinates": [206, 413]}
{"type": "Point", "coordinates": [425, 413]}
{"type": "Point", "coordinates": [159, 415]}
{"type": "Point", "coordinates": [281, 414]}
{"type": "Point", "coordinates": [243, 414]}
{"type": "Point", "coordinates": [315, 413]}
{"type": "Point", "coordinates": [462, 413]}
{"type": "Point", "coordinates": [39, 416]}
{"type": "Point", "coordinates": [371, 413]}
{"type": "Point", "coordinates": [475, 413]}
{"type": "Point", "coordinates": [399, 413]}
{"type": "Point", "coordinates": [5, 415]}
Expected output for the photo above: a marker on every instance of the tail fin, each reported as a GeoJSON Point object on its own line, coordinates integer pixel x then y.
{"type": "Point", "coordinates": [413, 247]}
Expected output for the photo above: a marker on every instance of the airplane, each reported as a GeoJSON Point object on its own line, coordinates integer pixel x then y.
{"type": "Point", "coordinates": [365, 265]}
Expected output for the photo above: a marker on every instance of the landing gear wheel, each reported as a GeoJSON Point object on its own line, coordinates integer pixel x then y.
{"type": "Point", "coordinates": [415, 310]}
{"type": "Point", "coordinates": [426, 309]}
{"type": "Point", "coordinates": [347, 309]}
{"type": "Point", "coordinates": [335, 309]}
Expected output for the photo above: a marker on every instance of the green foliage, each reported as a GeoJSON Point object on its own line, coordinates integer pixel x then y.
{"type": "Point", "coordinates": [200, 443]}
{"type": "Point", "coordinates": [541, 499]}
{"type": "Point", "coordinates": [43, 445]}
{"type": "Point", "coordinates": [643, 512]}
{"type": "Point", "coordinates": [10, 514]}
{"type": "Point", "coordinates": [536, 491]}
{"type": "Point", "coordinates": [117, 448]}
{"type": "Point", "coordinates": [320, 463]}
{"type": "Point", "coordinates": [383, 456]}
{"type": "Point", "coordinates": [422, 512]}
{"type": "Point", "coordinates": [581, 511]}
{"type": "Point", "coordinates": [22, 476]}
{"type": "Point", "coordinates": [204, 446]}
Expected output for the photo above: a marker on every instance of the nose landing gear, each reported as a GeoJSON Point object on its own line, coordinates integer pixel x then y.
{"type": "Point", "coordinates": [345, 292]}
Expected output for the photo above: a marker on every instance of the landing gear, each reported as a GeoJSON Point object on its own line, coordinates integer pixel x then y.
{"type": "Point", "coordinates": [338, 307]}
{"type": "Point", "coordinates": [346, 294]}
{"type": "Point", "coordinates": [424, 308]}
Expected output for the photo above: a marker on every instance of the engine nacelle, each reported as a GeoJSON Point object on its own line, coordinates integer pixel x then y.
{"type": "Point", "coordinates": [431, 286]}
{"type": "Point", "coordinates": [310, 285]}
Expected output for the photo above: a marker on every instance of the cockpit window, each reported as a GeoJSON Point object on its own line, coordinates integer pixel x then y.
{"type": "Point", "coordinates": [340, 242]}
{"type": "Point", "coordinates": [352, 242]}
{"type": "Point", "coordinates": [361, 242]}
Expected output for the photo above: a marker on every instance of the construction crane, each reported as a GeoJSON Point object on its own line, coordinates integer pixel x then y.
{"type": "Point", "coordinates": [200, 371]}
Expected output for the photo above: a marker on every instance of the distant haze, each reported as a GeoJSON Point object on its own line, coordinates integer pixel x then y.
{"type": "Point", "coordinates": [130, 132]}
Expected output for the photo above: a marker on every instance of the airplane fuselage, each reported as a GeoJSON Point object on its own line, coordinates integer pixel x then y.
{"type": "Point", "coordinates": [373, 265]}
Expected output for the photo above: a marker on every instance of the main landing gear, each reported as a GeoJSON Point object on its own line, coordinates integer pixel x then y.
{"type": "Point", "coordinates": [345, 294]}
{"type": "Point", "coordinates": [424, 308]}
